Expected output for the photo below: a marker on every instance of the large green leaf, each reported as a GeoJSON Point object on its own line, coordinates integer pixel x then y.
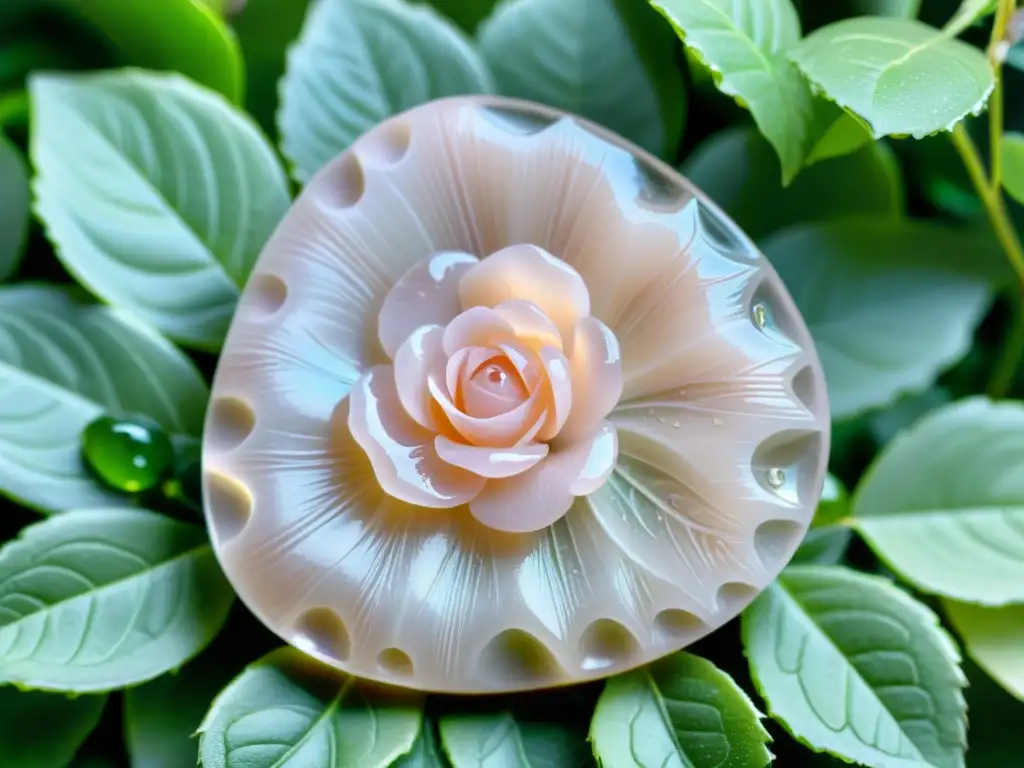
{"type": "Point", "coordinates": [286, 709]}
{"type": "Point", "coordinates": [163, 199]}
{"type": "Point", "coordinates": [14, 202]}
{"type": "Point", "coordinates": [886, 423]}
{"type": "Point", "coordinates": [161, 717]}
{"type": "Point", "coordinates": [426, 752]}
{"type": "Point", "coordinates": [901, 76]}
{"type": "Point", "coordinates": [63, 364]}
{"type": "Point", "coordinates": [994, 638]}
{"type": "Point", "coordinates": [823, 546]}
{"type": "Point", "coordinates": [943, 505]}
{"type": "Point", "coordinates": [739, 171]}
{"type": "Point", "coordinates": [183, 36]}
{"type": "Point", "coordinates": [890, 303]}
{"type": "Point", "coordinates": [744, 43]}
{"type": "Point", "coordinates": [505, 739]}
{"type": "Point", "coordinates": [851, 664]}
{"type": "Point", "coordinates": [265, 29]}
{"type": "Point", "coordinates": [680, 712]}
{"type": "Point", "coordinates": [578, 55]}
{"type": "Point", "coordinates": [95, 600]}
{"type": "Point", "coordinates": [358, 62]}
{"type": "Point", "coordinates": [44, 730]}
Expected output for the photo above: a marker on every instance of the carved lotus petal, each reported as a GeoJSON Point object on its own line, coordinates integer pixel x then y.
{"type": "Point", "coordinates": [507, 403]}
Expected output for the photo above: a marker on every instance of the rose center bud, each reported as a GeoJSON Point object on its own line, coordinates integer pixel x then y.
{"type": "Point", "coordinates": [493, 388]}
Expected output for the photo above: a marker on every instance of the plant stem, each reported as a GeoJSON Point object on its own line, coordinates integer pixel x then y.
{"type": "Point", "coordinates": [1013, 353]}
{"type": "Point", "coordinates": [991, 198]}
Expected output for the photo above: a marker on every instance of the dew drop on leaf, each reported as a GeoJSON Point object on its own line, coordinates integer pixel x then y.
{"type": "Point", "coordinates": [130, 455]}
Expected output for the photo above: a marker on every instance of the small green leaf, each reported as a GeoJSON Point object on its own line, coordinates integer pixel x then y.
{"type": "Point", "coordinates": [680, 712]}
{"type": "Point", "coordinates": [265, 29]}
{"type": "Point", "coordinates": [62, 365]}
{"type": "Point", "coordinates": [739, 171]}
{"type": "Point", "coordinates": [183, 36]}
{"type": "Point", "coordinates": [1013, 165]}
{"type": "Point", "coordinates": [358, 62]}
{"type": "Point", "coordinates": [507, 740]}
{"type": "Point", "coordinates": [44, 730]}
{"type": "Point", "coordinates": [851, 664]}
{"type": "Point", "coordinates": [943, 505]}
{"type": "Point", "coordinates": [14, 207]}
{"type": "Point", "coordinates": [95, 600]}
{"type": "Point", "coordinates": [744, 42]}
{"type": "Point", "coordinates": [890, 303]}
{"type": "Point", "coordinates": [161, 717]}
{"type": "Point", "coordinates": [835, 132]}
{"type": "Point", "coordinates": [425, 753]}
{"type": "Point", "coordinates": [286, 709]}
{"type": "Point", "coordinates": [590, 65]}
{"type": "Point", "coordinates": [994, 638]}
{"type": "Point", "coordinates": [969, 13]}
{"type": "Point", "coordinates": [901, 76]}
{"type": "Point", "coordinates": [164, 199]}
{"type": "Point", "coordinates": [823, 546]}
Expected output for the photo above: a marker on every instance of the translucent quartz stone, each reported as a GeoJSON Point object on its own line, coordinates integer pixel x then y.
{"type": "Point", "coordinates": [131, 455]}
{"type": "Point", "coordinates": [721, 427]}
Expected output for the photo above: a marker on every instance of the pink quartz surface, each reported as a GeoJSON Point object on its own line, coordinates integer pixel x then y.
{"type": "Point", "coordinates": [506, 404]}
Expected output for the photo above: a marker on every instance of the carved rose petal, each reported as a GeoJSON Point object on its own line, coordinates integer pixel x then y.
{"type": "Point", "coordinates": [596, 366]}
{"type": "Point", "coordinates": [531, 324]}
{"type": "Point", "coordinates": [401, 451]}
{"type": "Point", "coordinates": [490, 462]}
{"type": "Point", "coordinates": [428, 294]}
{"type": "Point", "coordinates": [500, 431]}
{"type": "Point", "coordinates": [420, 357]}
{"type": "Point", "coordinates": [477, 327]}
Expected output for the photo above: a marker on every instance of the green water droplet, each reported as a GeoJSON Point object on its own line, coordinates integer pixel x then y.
{"type": "Point", "coordinates": [127, 454]}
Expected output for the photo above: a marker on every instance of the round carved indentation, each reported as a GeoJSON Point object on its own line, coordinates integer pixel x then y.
{"type": "Point", "coordinates": [807, 390]}
{"type": "Point", "coordinates": [734, 596]}
{"type": "Point", "coordinates": [321, 631]}
{"type": "Point", "coordinates": [387, 145]}
{"type": "Point", "coordinates": [775, 541]}
{"type": "Point", "coordinates": [229, 504]}
{"type": "Point", "coordinates": [231, 421]}
{"type": "Point", "coordinates": [788, 465]}
{"type": "Point", "coordinates": [674, 626]}
{"type": "Point", "coordinates": [606, 643]}
{"type": "Point", "coordinates": [344, 181]}
{"type": "Point", "coordinates": [517, 658]}
{"type": "Point", "coordinates": [395, 661]}
{"type": "Point", "coordinates": [268, 292]}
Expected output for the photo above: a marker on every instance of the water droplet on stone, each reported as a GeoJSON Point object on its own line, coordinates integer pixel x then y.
{"type": "Point", "coordinates": [776, 477]}
{"type": "Point", "coordinates": [130, 455]}
{"type": "Point", "coordinates": [760, 313]}
{"type": "Point", "coordinates": [716, 421]}
{"type": "Point", "coordinates": [676, 424]}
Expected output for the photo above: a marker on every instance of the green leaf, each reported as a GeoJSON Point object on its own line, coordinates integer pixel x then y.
{"type": "Point", "coordinates": [851, 664]}
{"type": "Point", "coordinates": [590, 65]}
{"type": "Point", "coordinates": [161, 717]}
{"type": "Point", "coordinates": [62, 365]}
{"type": "Point", "coordinates": [265, 29]}
{"type": "Point", "coordinates": [1013, 165]}
{"type": "Point", "coordinates": [44, 730]}
{"type": "Point", "coordinates": [969, 13]}
{"type": "Point", "coordinates": [901, 76]}
{"type": "Point", "coordinates": [358, 62]}
{"type": "Point", "coordinates": [14, 202]}
{"type": "Point", "coordinates": [425, 753]}
{"type": "Point", "coordinates": [739, 171]}
{"type": "Point", "coordinates": [503, 739]}
{"type": "Point", "coordinates": [823, 546]}
{"type": "Point", "coordinates": [183, 36]}
{"type": "Point", "coordinates": [164, 199]}
{"type": "Point", "coordinates": [680, 712]}
{"type": "Point", "coordinates": [99, 599]}
{"type": "Point", "coordinates": [836, 132]}
{"type": "Point", "coordinates": [884, 425]}
{"type": "Point", "coordinates": [744, 42]}
{"type": "Point", "coordinates": [286, 709]}
{"type": "Point", "coordinates": [890, 303]}
{"type": "Point", "coordinates": [994, 638]}
{"type": "Point", "coordinates": [833, 504]}
{"type": "Point", "coordinates": [943, 505]}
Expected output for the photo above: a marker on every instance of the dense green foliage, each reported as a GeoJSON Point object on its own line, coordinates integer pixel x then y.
{"type": "Point", "coordinates": [874, 149]}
